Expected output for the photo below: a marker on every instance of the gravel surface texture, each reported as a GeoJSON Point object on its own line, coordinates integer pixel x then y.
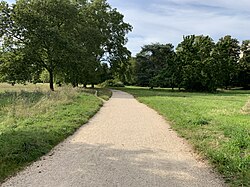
{"type": "Point", "coordinates": [124, 144]}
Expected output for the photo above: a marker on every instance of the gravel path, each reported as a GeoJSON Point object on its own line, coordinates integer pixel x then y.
{"type": "Point", "coordinates": [125, 144]}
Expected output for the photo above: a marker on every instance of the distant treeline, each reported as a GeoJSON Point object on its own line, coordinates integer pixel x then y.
{"type": "Point", "coordinates": [197, 64]}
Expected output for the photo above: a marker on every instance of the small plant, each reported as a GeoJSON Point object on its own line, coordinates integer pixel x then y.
{"type": "Point", "coordinates": [112, 83]}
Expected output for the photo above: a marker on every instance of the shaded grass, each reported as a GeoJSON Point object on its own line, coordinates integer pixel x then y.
{"type": "Point", "coordinates": [102, 93]}
{"type": "Point", "coordinates": [33, 122]}
{"type": "Point", "coordinates": [215, 124]}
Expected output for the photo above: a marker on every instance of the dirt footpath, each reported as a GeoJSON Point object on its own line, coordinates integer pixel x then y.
{"type": "Point", "coordinates": [125, 144]}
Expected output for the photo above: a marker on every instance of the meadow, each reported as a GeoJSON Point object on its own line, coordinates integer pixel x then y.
{"type": "Point", "coordinates": [33, 120]}
{"type": "Point", "coordinates": [217, 125]}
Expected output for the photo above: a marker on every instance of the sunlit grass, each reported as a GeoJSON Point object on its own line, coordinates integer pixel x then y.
{"type": "Point", "coordinates": [33, 120]}
{"type": "Point", "coordinates": [4, 87]}
{"type": "Point", "coordinates": [218, 125]}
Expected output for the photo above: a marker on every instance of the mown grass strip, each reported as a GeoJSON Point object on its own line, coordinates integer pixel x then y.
{"type": "Point", "coordinates": [218, 125]}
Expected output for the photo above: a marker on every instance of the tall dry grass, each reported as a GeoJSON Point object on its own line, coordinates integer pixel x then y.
{"type": "Point", "coordinates": [33, 120]}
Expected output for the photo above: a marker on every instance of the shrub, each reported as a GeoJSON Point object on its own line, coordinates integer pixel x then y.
{"type": "Point", "coordinates": [112, 83]}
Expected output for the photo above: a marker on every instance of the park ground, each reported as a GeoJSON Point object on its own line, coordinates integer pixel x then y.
{"type": "Point", "coordinates": [217, 125]}
{"type": "Point", "coordinates": [33, 120]}
{"type": "Point", "coordinates": [125, 144]}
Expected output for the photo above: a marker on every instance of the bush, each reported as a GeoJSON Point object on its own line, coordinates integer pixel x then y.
{"type": "Point", "coordinates": [112, 83]}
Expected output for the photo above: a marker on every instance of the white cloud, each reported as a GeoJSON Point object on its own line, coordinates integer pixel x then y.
{"type": "Point", "coordinates": [166, 21]}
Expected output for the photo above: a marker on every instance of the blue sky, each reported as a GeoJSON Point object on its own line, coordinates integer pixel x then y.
{"type": "Point", "coordinates": [166, 21]}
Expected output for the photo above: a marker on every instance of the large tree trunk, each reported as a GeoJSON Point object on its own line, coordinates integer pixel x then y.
{"type": "Point", "coordinates": [51, 80]}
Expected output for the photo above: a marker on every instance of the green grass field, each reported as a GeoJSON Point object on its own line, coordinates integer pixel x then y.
{"type": "Point", "coordinates": [218, 125]}
{"type": "Point", "coordinates": [33, 120]}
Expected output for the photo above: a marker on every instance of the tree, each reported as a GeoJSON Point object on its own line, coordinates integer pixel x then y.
{"type": "Point", "coordinates": [130, 73]}
{"type": "Point", "coordinates": [198, 66]}
{"type": "Point", "coordinates": [43, 29]}
{"type": "Point", "coordinates": [226, 53]}
{"type": "Point", "coordinates": [105, 41]}
{"type": "Point", "coordinates": [167, 77]}
{"type": "Point", "coordinates": [11, 62]}
{"type": "Point", "coordinates": [15, 68]}
{"type": "Point", "coordinates": [244, 65]}
{"type": "Point", "coordinates": [66, 37]}
{"type": "Point", "coordinates": [151, 61]}
{"type": "Point", "coordinates": [44, 77]}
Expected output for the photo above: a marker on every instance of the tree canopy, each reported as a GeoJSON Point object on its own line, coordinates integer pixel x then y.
{"type": "Point", "coordinates": [67, 38]}
{"type": "Point", "coordinates": [197, 64]}
{"type": "Point", "coordinates": [244, 65]}
{"type": "Point", "coordinates": [151, 61]}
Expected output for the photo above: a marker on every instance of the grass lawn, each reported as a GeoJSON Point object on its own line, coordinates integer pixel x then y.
{"type": "Point", "coordinates": [218, 125]}
{"type": "Point", "coordinates": [33, 120]}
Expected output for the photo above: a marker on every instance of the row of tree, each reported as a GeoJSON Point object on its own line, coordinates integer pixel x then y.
{"type": "Point", "coordinates": [71, 41]}
{"type": "Point", "coordinates": [83, 42]}
{"type": "Point", "coordinates": [197, 64]}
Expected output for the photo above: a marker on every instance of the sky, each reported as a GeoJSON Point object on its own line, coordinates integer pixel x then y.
{"type": "Point", "coordinates": [167, 21]}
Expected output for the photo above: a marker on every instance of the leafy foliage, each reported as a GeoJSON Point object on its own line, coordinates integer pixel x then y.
{"type": "Point", "coordinates": [69, 39]}
{"type": "Point", "coordinates": [112, 83]}
{"type": "Point", "coordinates": [151, 61]}
{"type": "Point", "coordinates": [227, 53]}
{"type": "Point", "coordinates": [244, 65]}
{"type": "Point", "coordinates": [198, 64]}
